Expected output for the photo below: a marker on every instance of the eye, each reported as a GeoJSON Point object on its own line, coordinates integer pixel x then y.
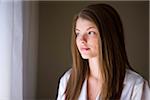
{"type": "Point", "coordinates": [77, 33]}
{"type": "Point", "coordinates": [91, 33]}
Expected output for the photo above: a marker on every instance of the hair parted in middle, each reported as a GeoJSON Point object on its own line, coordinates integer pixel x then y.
{"type": "Point", "coordinates": [112, 53]}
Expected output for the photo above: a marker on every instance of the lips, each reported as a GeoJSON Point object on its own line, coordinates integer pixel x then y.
{"type": "Point", "coordinates": [85, 49]}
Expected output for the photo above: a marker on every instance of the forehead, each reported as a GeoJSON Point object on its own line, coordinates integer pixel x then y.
{"type": "Point", "coordinates": [82, 23]}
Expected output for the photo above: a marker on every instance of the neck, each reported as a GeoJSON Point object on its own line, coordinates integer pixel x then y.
{"type": "Point", "coordinates": [94, 64]}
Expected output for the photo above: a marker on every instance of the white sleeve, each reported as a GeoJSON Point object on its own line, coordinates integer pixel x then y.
{"type": "Point", "coordinates": [61, 90]}
{"type": "Point", "coordinates": [141, 91]}
{"type": "Point", "coordinates": [137, 91]}
{"type": "Point", "coordinates": [62, 85]}
{"type": "Point", "coordinates": [146, 91]}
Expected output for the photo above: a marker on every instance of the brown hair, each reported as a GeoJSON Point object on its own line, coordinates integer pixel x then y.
{"type": "Point", "coordinates": [113, 52]}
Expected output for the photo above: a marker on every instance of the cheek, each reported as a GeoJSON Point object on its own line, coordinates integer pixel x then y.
{"type": "Point", "coordinates": [95, 44]}
{"type": "Point", "coordinates": [77, 43]}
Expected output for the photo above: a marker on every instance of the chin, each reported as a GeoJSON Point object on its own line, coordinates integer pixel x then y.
{"type": "Point", "coordinates": [85, 56]}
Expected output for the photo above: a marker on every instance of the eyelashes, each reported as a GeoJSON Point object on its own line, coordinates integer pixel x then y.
{"type": "Point", "coordinates": [91, 33]}
{"type": "Point", "coordinates": [88, 33]}
{"type": "Point", "coordinates": [77, 33]}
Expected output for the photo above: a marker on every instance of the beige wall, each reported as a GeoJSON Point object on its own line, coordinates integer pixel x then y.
{"type": "Point", "coordinates": [30, 49]}
{"type": "Point", "coordinates": [54, 58]}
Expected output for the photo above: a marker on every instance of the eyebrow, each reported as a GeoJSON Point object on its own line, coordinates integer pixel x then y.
{"type": "Point", "coordinates": [86, 29]}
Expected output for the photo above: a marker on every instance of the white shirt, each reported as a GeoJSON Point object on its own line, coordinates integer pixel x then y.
{"type": "Point", "coordinates": [135, 87]}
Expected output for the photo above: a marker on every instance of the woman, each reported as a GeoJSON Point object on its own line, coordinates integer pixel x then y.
{"type": "Point", "coordinates": [100, 67]}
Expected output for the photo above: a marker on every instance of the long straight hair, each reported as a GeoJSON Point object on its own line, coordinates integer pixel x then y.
{"type": "Point", "coordinates": [113, 53]}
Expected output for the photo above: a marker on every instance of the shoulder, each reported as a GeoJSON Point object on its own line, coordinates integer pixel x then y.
{"type": "Point", "coordinates": [62, 85]}
{"type": "Point", "coordinates": [131, 77]}
{"type": "Point", "coordinates": [134, 86]}
{"type": "Point", "coordinates": [66, 76]}
{"type": "Point", "coordinates": [64, 79]}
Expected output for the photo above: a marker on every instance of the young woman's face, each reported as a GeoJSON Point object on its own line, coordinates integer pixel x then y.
{"type": "Point", "coordinates": [87, 38]}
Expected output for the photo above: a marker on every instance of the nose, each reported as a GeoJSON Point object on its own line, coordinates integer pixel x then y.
{"type": "Point", "coordinates": [83, 38]}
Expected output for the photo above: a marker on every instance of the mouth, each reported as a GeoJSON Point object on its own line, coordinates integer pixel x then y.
{"type": "Point", "coordinates": [85, 49]}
